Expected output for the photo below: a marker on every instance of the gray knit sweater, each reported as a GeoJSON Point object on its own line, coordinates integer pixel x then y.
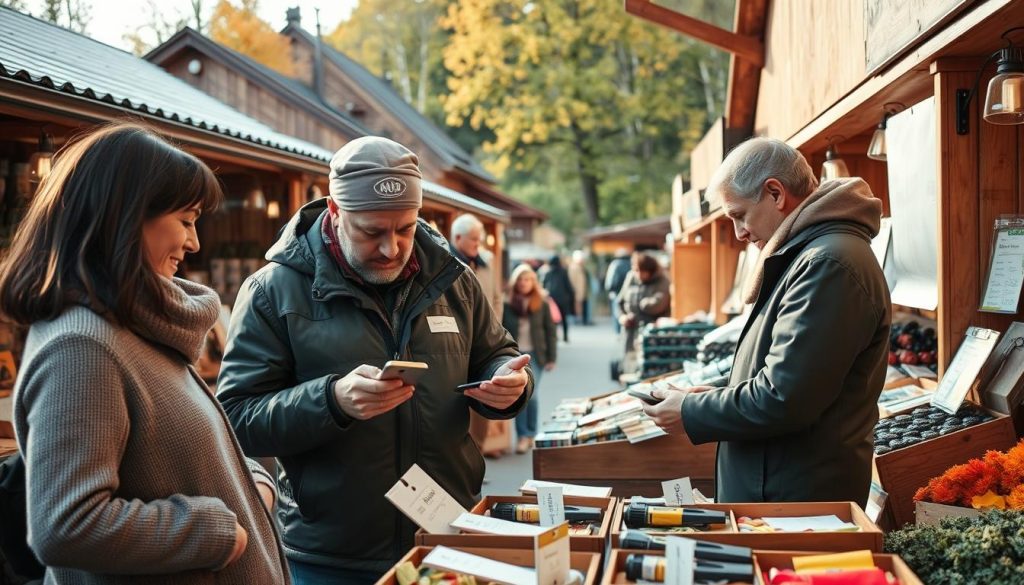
{"type": "Point", "coordinates": [134, 475]}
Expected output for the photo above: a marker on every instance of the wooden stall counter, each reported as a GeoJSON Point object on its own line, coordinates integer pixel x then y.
{"type": "Point", "coordinates": [628, 468]}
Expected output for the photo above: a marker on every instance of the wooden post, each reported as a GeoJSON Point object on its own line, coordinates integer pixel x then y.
{"type": "Point", "coordinates": [958, 212]}
{"type": "Point", "coordinates": [296, 193]}
{"type": "Point", "coordinates": [725, 253]}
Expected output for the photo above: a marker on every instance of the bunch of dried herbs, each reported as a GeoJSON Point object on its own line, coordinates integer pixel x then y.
{"type": "Point", "coordinates": [964, 551]}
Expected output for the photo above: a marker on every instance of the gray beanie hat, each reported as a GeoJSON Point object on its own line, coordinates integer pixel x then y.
{"type": "Point", "coordinates": [374, 173]}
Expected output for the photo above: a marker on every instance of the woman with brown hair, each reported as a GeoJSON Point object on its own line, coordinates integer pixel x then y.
{"type": "Point", "coordinates": [133, 473]}
{"type": "Point", "coordinates": [527, 317]}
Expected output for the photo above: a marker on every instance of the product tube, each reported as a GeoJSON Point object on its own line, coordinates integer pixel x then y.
{"type": "Point", "coordinates": [639, 515]}
{"type": "Point", "coordinates": [652, 568]}
{"type": "Point", "coordinates": [710, 551]}
{"type": "Point", "coordinates": [530, 513]}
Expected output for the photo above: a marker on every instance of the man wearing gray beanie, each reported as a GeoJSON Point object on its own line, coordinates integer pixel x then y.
{"type": "Point", "coordinates": [355, 280]}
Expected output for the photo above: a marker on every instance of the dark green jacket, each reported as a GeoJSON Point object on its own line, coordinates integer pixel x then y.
{"type": "Point", "coordinates": [795, 422]}
{"type": "Point", "coordinates": [298, 325]}
{"type": "Point", "coordinates": [543, 332]}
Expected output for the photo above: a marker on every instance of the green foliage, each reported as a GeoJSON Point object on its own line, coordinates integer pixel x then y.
{"type": "Point", "coordinates": [582, 80]}
{"type": "Point", "coordinates": [964, 551]}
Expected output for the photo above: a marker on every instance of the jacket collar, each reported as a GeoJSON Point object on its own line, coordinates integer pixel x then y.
{"type": "Point", "coordinates": [474, 263]}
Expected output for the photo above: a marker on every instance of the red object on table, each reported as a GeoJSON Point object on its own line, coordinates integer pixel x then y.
{"type": "Point", "coordinates": [874, 576]}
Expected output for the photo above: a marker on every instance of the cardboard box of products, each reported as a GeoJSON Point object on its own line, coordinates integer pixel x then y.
{"type": "Point", "coordinates": [584, 543]}
{"type": "Point", "coordinates": [869, 536]}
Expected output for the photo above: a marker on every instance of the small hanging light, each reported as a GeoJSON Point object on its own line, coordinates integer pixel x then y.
{"type": "Point", "coordinates": [834, 166]}
{"type": "Point", "coordinates": [1004, 100]}
{"type": "Point", "coordinates": [877, 147]}
{"type": "Point", "coordinates": [273, 210]}
{"type": "Point", "coordinates": [39, 164]}
{"type": "Point", "coordinates": [254, 199]}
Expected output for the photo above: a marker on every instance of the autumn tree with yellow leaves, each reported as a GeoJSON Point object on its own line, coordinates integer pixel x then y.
{"type": "Point", "coordinates": [239, 28]}
{"type": "Point", "coordinates": [581, 87]}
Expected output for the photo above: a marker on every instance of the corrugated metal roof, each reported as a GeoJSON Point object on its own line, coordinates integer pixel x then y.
{"type": "Point", "coordinates": [43, 54]}
{"type": "Point", "coordinates": [431, 135]}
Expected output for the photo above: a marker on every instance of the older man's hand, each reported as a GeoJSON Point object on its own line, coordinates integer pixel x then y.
{"type": "Point", "coordinates": [506, 386]}
{"type": "Point", "coordinates": [668, 414]}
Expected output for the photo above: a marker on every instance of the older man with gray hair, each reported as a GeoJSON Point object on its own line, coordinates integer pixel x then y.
{"type": "Point", "coordinates": [467, 245]}
{"type": "Point", "coordinates": [795, 421]}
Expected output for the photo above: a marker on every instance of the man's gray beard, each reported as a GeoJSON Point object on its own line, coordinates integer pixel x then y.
{"type": "Point", "coordinates": [366, 273]}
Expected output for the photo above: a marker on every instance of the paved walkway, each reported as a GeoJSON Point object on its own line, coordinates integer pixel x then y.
{"type": "Point", "coordinates": [582, 370]}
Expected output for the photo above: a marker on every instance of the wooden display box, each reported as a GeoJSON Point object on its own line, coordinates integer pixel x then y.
{"type": "Point", "coordinates": [903, 471]}
{"type": "Point", "coordinates": [930, 514]}
{"type": "Point", "coordinates": [615, 571]}
{"type": "Point", "coordinates": [869, 537]}
{"type": "Point", "coordinates": [629, 469]}
{"type": "Point", "coordinates": [587, 563]}
{"type": "Point", "coordinates": [766, 560]}
{"type": "Point", "coordinates": [592, 543]}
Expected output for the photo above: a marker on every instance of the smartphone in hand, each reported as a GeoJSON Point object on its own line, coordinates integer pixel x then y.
{"type": "Point", "coordinates": [408, 372]}
{"type": "Point", "coordinates": [469, 386]}
{"type": "Point", "coordinates": [643, 394]}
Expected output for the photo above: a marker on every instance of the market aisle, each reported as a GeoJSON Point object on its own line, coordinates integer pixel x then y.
{"type": "Point", "coordinates": [582, 370]}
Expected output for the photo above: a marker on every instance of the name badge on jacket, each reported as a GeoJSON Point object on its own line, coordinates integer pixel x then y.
{"type": "Point", "coordinates": [442, 324]}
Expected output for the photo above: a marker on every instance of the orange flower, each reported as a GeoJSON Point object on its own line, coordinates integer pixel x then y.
{"type": "Point", "coordinates": [1012, 468]}
{"type": "Point", "coordinates": [1015, 500]}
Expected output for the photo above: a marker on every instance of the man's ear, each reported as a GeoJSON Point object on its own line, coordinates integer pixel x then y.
{"type": "Point", "coordinates": [332, 206]}
{"type": "Point", "coordinates": [774, 189]}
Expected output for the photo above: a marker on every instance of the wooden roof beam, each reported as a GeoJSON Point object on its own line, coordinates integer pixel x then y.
{"type": "Point", "coordinates": [748, 48]}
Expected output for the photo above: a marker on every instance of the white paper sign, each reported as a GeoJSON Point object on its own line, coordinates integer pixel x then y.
{"type": "Point", "coordinates": [530, 487]}
{"type": "Point", "coordinates": [425, 502]}
{"type": "Point", "coordinates": [487, 525]}
{"type": "Point", "coordinates": [829, 523]}
{"type": "Point", "coordinates": [1005, 276]}
{"type": "Point", "coordinates": [447, 559]}
{"type": "Point", "coordinates": [551, 552]}
{"type": "Point", "coordinates": [551, 504]}
{"type": "Point", "coordinates": [964, 369]}
{"type": "Point", "coordinates": [679, 563]}
{"type": "Point", "coordinates": [678, 492]}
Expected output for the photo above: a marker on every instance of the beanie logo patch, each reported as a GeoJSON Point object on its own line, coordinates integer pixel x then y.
{"type": "Point", "coordinates": [389, 187]}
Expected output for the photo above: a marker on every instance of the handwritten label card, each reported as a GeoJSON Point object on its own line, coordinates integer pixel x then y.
{"type": "Point", "coordinates": [551, 504]}
{"type": "Point", "coordinates": [1006, 273]}
{"type": "Point", "coordinates": [678, 492]}
{"type": "Point", "coordinates": [425, 502]}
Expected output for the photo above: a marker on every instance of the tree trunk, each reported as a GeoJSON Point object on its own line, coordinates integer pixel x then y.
{"type": "Point", "coordinates": [709, 90]}
{"type": "Point", "coordinates": [588, 180]}
{"type": "Point", "coordinates": [424, 80]}
{"type": "Point", "coordinates": [403, 69]}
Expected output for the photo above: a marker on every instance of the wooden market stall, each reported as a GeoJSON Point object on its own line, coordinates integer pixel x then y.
{"type": "Point", "coordinates": [835, 75]}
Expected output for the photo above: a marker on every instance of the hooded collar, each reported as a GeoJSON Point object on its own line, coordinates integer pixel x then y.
{"type": "Point", "coordinates": [474, 263]}
{"type": "Point", "coordinates": [848, 200]}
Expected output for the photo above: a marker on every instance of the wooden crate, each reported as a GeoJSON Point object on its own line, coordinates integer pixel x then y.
{"type": "Point", "coordinates": [615, 571]}
{"type": "Point", "coordinates": [903, 471]}
{"type": "Point", "coordinates": [595, 543]}
{"type": "Point", "coordinates": [766, 560]}
{"type": "Point", "coordinates": [587, 563]}
{"type": "Point", "coordinates": [930, 514]}
{"type": "Point", "coordinates": [869, 537]}
{"type": "Point", "coordinates": [629, 469]}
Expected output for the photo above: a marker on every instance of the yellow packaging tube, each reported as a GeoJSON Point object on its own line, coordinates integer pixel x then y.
{"type": "Point", "coordinates": [847, 561]}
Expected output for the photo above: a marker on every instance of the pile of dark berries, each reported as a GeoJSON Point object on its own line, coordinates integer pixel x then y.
{"type": "Point", "coordinates": [910, 344]}
{"type": "Point", "coordinates": [925, 422]}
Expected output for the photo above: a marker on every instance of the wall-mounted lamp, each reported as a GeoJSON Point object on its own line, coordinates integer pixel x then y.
{"type": "Point", "coordinates": [273, 210]}
{"type": "Point", "coordinates": [255, 199]}
{"type": "Point", "coordinates": [1004, 101]}
{"type": "Point", "coordinates": [834, 166]}
{"type": "Point", "coordinates": [877, 149]}
{"type": "Point", "coordinates": [39, 164]}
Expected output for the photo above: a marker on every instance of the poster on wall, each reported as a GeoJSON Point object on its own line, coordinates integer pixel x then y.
{"type": "Point", "coordinates": [913, 201]}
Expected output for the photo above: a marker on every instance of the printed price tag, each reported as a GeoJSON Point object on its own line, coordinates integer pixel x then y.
{"type": "Point", "coordinates": [425, 502]}
{"type": "Point", "coordinates": [678, 492]}
{"type": "Point", "coordinates": [551, 504]}
{"type": "Point", "coordinates": [551, 551]}
{"type": "Point", "coordinates": [679, 563]}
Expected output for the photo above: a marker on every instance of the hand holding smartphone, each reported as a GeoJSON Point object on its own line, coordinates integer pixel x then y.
{"type": "Point", "coordinates": [409, 373]}
{"type": "Point", "coordinates": [463, 387]}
